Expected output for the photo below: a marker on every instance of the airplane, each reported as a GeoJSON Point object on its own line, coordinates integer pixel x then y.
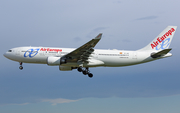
{"type": "Point", "coordinates": [86, 56]}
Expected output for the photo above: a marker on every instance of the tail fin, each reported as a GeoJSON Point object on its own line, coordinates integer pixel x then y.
{"type": "Point", "coordinates": [162, 41]}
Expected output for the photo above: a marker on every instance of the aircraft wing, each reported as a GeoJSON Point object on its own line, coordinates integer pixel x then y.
{"type": "Point", "coordinates": [82, 53]}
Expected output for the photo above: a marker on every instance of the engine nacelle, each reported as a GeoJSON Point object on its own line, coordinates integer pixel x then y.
{"type": "Point", "coordinates": [65, 68]}
{"type": "Point", "coordinates": [53, 61]}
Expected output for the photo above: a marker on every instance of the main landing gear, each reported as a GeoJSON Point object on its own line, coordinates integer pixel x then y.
{"type": "Point", "coordinates": [20, 67]}
{"type": "Point", "coordinates": [85, 71]}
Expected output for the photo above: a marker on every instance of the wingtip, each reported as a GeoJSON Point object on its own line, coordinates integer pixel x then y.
{"type": "Point", "coordinates": [99, 36]}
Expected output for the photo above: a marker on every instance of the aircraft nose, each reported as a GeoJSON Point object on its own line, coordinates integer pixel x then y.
{"type": "Point", "coordinates": [8, 54]}
{"type": "Point", "coordinates": [5, 55]}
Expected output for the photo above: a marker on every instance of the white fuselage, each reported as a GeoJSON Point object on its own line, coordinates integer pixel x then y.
{"type": "Point", "coordinates": [109, 58]}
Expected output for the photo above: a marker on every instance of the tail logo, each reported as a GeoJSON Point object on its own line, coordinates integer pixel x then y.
{"type": "Point", "coordinates": [164, 44]}
{"type": "Point", "coordinates": [161, 39]}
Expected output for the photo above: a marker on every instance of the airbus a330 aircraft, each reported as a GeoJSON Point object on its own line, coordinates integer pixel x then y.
{"type": "Point", "coordinates": [86, 56]}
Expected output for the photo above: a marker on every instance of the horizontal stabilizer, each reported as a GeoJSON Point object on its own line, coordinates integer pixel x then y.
{"type": "Point", "coordinates": [160, 53]}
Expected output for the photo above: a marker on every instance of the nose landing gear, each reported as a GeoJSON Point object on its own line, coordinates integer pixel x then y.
{"type": "Point", "coordinates": [85, 71]}
{"type": "Point", "coordinates": [20, 67]}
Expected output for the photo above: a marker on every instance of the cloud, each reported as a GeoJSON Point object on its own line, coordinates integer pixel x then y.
{"type": "Point", "coordinates": [147, 18]}
{"type": "Point", "coordinates": [58, 101]}
{"type": "Point", "coordinates": [56, 87]}
{"type": "Point", "coordinates": [22, 104]}
{"type": "Point", "coordinates": [52, 101]}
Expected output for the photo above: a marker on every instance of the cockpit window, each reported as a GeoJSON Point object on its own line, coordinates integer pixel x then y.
{"type": "Point", "coordinates": [9, 50]}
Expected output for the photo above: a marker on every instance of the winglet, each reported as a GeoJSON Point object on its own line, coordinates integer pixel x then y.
{"type": "Point", "coordinates": [98, 36]}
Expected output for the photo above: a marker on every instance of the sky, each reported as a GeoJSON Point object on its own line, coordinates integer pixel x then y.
{"type": "Point", "coordinates": [126, 25]}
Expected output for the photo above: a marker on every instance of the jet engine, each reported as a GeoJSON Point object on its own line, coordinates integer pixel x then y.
{"type": "Point", "coordinates": [65, 68]}
{"type": "Point", "coordinates": [52, 61]}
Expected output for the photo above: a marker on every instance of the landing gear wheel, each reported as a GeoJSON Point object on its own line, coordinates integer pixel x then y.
{"type": "Point", "coordinates": [20, 67]}
{"type": "Point", "coordinates": [85, 72]}
{"type": "Point", "coordinates": [79, 69]}
{"type": "Point", "coordinates": [90, 75]}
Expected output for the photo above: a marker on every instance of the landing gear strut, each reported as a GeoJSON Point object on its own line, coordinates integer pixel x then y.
{"type": "Point", "coordinates": [20, 67]}
{"type": "Point", "coordinates": [85, 71]}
